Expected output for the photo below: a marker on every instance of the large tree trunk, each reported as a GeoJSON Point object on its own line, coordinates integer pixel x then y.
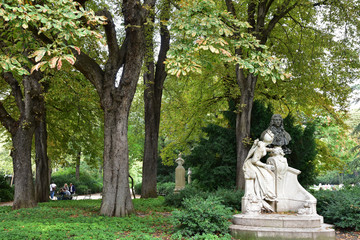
{"type": "Point", "coordinates": [116, 192]}
{"type": "Point", "coordinates": [116, 98]}
{"type": "Point", "coordinates": [154, 82]}
{"type": "Point", "coordinates": [24, 196]}
{"type": "Point", "coordinates": [42, 180]}
{"type": "Point", "coordinates": [243, 119]}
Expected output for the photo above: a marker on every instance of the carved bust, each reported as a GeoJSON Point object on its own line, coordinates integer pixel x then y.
{"type": "Point", "coordinates": [281, 137]}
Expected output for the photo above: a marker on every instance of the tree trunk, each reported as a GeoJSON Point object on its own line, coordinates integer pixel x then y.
{"type": "Point", "coordinates": [154, 82]}
{"type": "Point", "coordinates": [116, 192]}
{"type": "Point", "coordinates": [77, 172]}
{"type": "Point", "coordinates": [243, 119]}
{"type": "Point", "coordinates": [24, 196]}
{"type": "Point", "coordinates": [152, 121]}
{"type": "Point", "coordinates": [42, 180]}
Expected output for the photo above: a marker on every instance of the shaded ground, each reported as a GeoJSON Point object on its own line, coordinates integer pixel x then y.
{"type": "Point", "coordinates": [340, 234]}
{"type": "Point", "coordinates": [348, 235]}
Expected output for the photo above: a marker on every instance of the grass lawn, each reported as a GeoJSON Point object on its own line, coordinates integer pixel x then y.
{"type": "Point", "coordinates": [80, 220]}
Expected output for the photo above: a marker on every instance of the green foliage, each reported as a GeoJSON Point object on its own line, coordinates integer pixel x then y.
{"type": "Point", "coordinates": [71, 137]}
{"type": "Point", "coordinates": [213, 160]}
{"type": "Point", "coordinates": [86, 180]}
{"type": "Point", "coordinates": [177, 199]}
{"type": "Point", "coordinates": [336, 143]}
{"type": "Point", "coordinates": [207, 36]}
{"type": "Point", "coordinates": [165, 188]}
{"type": "Point", "coordinates": [303, 149]}
{"type": "Point", "coordinates": [229, 198]}
{"type": "Point", "coordinates": [24, 21]}
{"type": "Point", "coordinates": [341, 208]}
{"type": "Point", "coordinates": [80, 220]}
{"type": "Point", "coordinates": [6, 192]}
{"type": "Point", "coordinates": [202, 216]}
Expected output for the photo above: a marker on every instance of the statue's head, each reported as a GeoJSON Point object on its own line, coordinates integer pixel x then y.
{"type": "Point", "coordinates": [276, 120]}
{"type": "Point", "coordinates": [268, 137]}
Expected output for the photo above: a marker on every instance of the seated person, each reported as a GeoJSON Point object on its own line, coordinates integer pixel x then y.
{"type": "Point", "coordinates": [65, 194]}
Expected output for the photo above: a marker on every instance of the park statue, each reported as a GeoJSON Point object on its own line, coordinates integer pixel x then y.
{"type": "Point", "coordinates": [275, 205]}
{"type": "Point", "coordinates": [281, 137]}
{"type": "Point", "coordinates": [179, 175]}
{"type": "Point", "coordinates": [273, 186]}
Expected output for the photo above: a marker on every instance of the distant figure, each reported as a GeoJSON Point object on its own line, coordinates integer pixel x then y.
{"type": "Point", "coordinates": [281, 137]}
{"type": "Point", "coordinates": [52, 190]}
{"type": "Point", "coordinates": [72, 189]}
{"type": "Point", "coordinates": [66, 187]}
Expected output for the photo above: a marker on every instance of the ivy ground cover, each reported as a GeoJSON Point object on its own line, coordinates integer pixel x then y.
{"type": "Point", "coordinates": [80, 220]}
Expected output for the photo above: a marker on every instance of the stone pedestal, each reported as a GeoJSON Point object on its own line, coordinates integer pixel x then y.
{"type": "Point", "coordinates": [280, 226]}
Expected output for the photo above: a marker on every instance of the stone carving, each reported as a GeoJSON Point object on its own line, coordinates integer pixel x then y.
{"type": "Point", "coordinates": [281, 137]}
{"type": "Point", "coordinates": [189, 175]}
{"type": "Point", "coordinates": [274, 187]}
{"type": "Point", "coordinates": [259, 179]}
{"type": "Point", "coordinates": [179, 175]}
{"type": "Point", "coordinates": [274, 184]}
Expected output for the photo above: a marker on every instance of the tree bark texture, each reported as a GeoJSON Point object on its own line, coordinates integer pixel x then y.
{"type": "Point", "coordinates": [116, 101]}
{"type": "Point", "coordinates": [154, 81]}
{"type": "Point", "coordinates": [22, 132]}
{"type": "Point", "coordinates": [42, 180]}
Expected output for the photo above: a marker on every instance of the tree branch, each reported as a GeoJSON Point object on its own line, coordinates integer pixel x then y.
{"type": "Point", "coordinates": [275, 20]}
{"type": "Point", "coordinates": [90, 69]}
{"type": "Point", "coordinates": [15, 89]}
{"type": "Point", "coordinates": [111, 39]}
{"type": "Point", "coordinates": [7, 121]}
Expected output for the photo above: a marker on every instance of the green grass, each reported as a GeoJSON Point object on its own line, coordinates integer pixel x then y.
{"type": "Point", "coordinates": [81, 220]}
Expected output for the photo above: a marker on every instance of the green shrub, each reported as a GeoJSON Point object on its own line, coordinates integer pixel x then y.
{"type": "Point", "coordinates": [230, 198]}
{"type": "Point", "coordinates": [165, 188]}
{"type": "Point", "coordinates": [341, 208]}
{"type": "Point", "coordinates": [6, 192]}
{"type": "Point", "coordinates": [137, 188]}
{"type": "Point", "coordinates": [202, 216]}
{"type": "Point", "coordinates": [86, 181]}
{"type": "Point", "coordinates": [177, 199]}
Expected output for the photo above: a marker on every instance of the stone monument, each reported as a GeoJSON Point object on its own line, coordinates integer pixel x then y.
{"type": "Point", "coordinates": [274, 203]}
{"type": "Point", "coordinates": [179, 175]}
{"type": "Point", "coordinates": [189, 175]}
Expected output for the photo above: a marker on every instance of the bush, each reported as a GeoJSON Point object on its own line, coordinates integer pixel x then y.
{"type": "Point", "coordinates": [165, 188]}
{"type": "Point", "coordinates": [230, 198]}
{"type": "Point", "coordinates": [202, 216]}
{"type": "Point", "coordinates": [341, 208]}
{"type": "Point", "coordinates": [86, 181]}
{"type": "Point", "coordinates": [6, 192]}
{"type": "Point", "coordinates": [177, 199]}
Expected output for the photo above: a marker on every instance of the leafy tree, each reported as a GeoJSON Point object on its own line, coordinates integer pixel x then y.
{"type": "Point", "coordinates": [23, 22]}
{"type": "Point", "coordinates": [288, 27]}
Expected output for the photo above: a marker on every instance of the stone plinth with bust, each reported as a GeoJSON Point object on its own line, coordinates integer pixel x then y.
{"type": "Point", "coordinates": [274, 203]}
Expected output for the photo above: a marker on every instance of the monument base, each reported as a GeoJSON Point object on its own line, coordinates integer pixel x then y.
{"type": "Point", "coordinates": [280, 226]}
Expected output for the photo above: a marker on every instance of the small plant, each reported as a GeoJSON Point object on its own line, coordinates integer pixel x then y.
{"type": "Point", "coordinates": [6, 192]}
{"type": "Point", "coordinates": [202, 216]}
